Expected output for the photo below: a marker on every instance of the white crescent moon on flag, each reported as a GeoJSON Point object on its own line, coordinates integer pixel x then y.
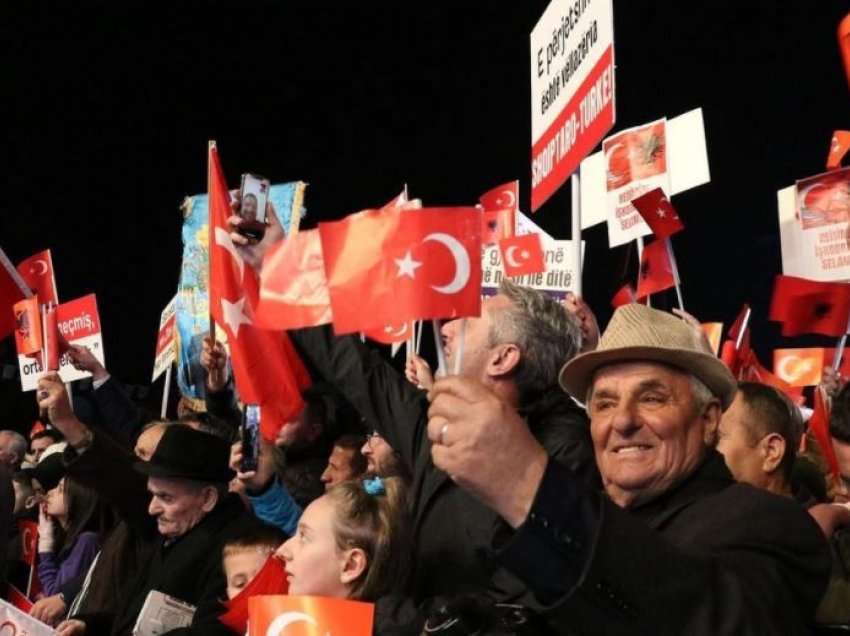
{"type": "Point", "coordinates": [283, 621]}
{"type": "Point", "coordinates": [805, 192]}
{"type": "Point", "coordinates": [608, 154]}
{"type": "Point", "coordinates": [395, 333]}
{"type": "Point", "coordinates": [510, 259]}
{"type": "Point", "coordinates": [782, 368]}
{"type": "Point", "coordinates": [43, 269]}
{"type": "Point", "coordinates": [511, 198]}
{"type": "Point", "coordinates": [462, 266]}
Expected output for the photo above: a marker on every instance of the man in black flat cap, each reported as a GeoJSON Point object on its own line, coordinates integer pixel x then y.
{"type": "Point", "coordinates": [178, 502]}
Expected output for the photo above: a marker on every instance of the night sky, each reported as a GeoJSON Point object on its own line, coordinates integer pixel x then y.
{"type": "Point", "coordinates": [109, 110]}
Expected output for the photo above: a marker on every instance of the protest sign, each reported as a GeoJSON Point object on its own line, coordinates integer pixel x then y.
{"type": "Point", "coordinates": [165, 340]}
{"type": "Point", "coordinates": [192, 307]}
{"type": "Point", "coordinates": [16, 623]}
{"type": "Point", "coordinates": [557, 280]}
{"type": "Point", "coordinates": [687, 166]}
{"type": "Point", "coordinates": [79, 324]}
{"type": "Point", "coordinates": [572, 89]}
{"type": "Point", "coordinates": [271, 615]}
{"type": "Point", "coordinates": [635, 163]}
{"type": "Point", "coordinates": [813, 224]}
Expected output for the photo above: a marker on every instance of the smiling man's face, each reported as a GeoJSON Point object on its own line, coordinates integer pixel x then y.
{"type": "Point", "coordinates": [647, 431]}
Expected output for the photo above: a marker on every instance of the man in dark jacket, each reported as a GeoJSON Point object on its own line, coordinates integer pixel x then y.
{"type": "Point", "coordinates": [516, 348]}
{"type": "Point", "coordinates": [177, 501]}
{"type": "Point", "coordinates": [674, 546]}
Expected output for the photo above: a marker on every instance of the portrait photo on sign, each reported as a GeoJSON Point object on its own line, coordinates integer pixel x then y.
{"type": "Point", "coordinates": [254, 196]}
{"type": "Point", "coordinates": [824, 199]}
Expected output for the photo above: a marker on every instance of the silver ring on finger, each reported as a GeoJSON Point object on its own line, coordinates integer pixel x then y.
{"type": "Point", "coordinates": [443, 434]}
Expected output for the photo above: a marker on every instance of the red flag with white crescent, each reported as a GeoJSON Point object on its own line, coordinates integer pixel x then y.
{"type": "Point", "coordinates": [391, 334]}
{"type": "Point", "coordinates": [503, 197]}
{"type": "Point", "coordinates": [309, 616]}
{"type": "Point", "coordinates": [522, 255]}
{"type": "Point", "coordinates": [37, 272]}
{"type": "Point", "coordinates": [387, 267]}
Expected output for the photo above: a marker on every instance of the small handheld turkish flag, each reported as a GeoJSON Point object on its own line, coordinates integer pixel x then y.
{"type": "Point", "coordinates": [503, 197]}
{"type": "Point", "coordinates": [522, 255]}
{"type": "Point", "coordinates": [37, 272]}
{"type": "Point", "coordinates": [309, 616]}
{"type": "Point", "coordinates": [391, 334]}
{"type": "Point", "coordinates": [386, 267]}
{"type": "Point", "coordinates": [656, 273]}
{"type": "Point", "coordinates": [838, 147]}
{"type": "Point", "coordinates": [659, 213]}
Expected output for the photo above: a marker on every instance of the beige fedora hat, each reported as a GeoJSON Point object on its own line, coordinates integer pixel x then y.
{"type": "Point", "coordinates": [639, 333]}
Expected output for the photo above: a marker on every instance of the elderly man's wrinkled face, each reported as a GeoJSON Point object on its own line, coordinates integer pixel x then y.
{"type": "Point", "coordinates": [647, 433]}
{"type": "Point", "coordinates": [179, 505]}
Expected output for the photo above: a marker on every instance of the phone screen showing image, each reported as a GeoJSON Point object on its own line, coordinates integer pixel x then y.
{"type": "Point", "coordinates": [250, 438]}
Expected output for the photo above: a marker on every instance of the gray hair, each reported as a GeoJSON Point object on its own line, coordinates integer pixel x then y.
{"type": "Point", "coordinates": [17, 444]}
{"type": "Point", "coordinates": [547, 336]}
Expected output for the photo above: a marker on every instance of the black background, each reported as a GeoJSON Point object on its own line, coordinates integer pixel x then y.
{"type": "Point", "coordinates": [109, 110]}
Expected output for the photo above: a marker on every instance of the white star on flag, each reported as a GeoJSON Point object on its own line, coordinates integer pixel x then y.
{"type": "Point", "coordinates": [407, 266]}
{"type": "Point", "coordinates": [222, 239]}
{"type": "Point", "coordinates": [661, 213]}
{"type": "Point", "coordinates": [234, 314]}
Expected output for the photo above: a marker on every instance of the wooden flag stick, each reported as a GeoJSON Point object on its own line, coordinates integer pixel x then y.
{"type": "Point", "coordinates": [575, 220]}
{"type": "Point", "coordinates": [839, 349]}
{"type": "Point", "coordinates": [441, 353]}
{"type": "Point", "coordinates": [675, 269]}
{"type": "Point", "coordinates": [166, 389]}
{"type": "Point", "coordinates": [459, 357]}
{"type": "Point", "coordinates": [640, 256]}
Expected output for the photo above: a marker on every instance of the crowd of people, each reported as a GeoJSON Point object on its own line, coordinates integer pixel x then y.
{"type": "Point", "coordinates": [561, 481]}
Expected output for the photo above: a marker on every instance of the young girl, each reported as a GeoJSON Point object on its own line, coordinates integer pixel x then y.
{"type": "Point", "coordinates": [68, 539]}
{"type": "Point", "coordinates": [351, 543]}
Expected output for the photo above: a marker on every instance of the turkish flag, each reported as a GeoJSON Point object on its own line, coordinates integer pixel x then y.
{"type": "Point", "coordinates": [838, 147]}
{"type": "Point", "coordinates": [271, 579]}
{"type": "Point", "coordinates": [624, 296]}
{"type": "Point", "coordinates": [293, 287]}
{"type": "Point", "coordinates": [27, 326]}
{"type": "Point", "coordinates": [819, 427]}
{"type": "Point", "coordinates": [18, 599]}
{"type": "Point", "coordinates": [29, 540]}
{"type": "Point", "coordinates": [659, 213]}
{"type": "Point", "coordinates": [496, 225]}
{"type": "Point", "coordinates": [503, 197]}
{"type": "Point", "coordinates": [37, 272]}
{"type": "Point", "coordinates": [404, 202]}
{"type": "Point", "coordinates": [309, 616]}
{"type": "Point", "coordinates": [391, 334]}
{"type": "Point", "coordinates": [807, 306]}
{"type": "Point", "coordinates": [799, 367]}
{"type": "Point", "coordinates": [386, 267]}
{"type": "Point", "coordinates": [12, 289]}
{"type": "Point", "coordinates": [656, 273]}
{"type": "Point", "coordinates": [522, 255]}
{"type": "Point", "coordinates": [265, 366]}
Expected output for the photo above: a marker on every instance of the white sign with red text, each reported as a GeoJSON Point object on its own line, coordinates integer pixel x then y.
{"type": "Point", "coordinates": [14, 622]}
{"type": "Point", "coordinates": [556, 281]}
{"type": "Point", "coordinates": [79, 324]}
{"type": "Point", "coordinates": [166, 351]}
{"type": "Point", "coordinates": [572, 89]}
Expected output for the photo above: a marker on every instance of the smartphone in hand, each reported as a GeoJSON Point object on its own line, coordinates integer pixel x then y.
{"type": "Point", "coordinates": [250, 438]}
{"type": "Point", "coordinates": [253, 199]}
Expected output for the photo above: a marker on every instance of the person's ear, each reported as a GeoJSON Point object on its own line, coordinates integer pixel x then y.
{"type": "Point", "coordinates": [354, 564]}
{"type": "Point", "coordinates": [711, 415]}
{"type": "Point", "coordinates": [772, 451]}
{"type": "Point", "coordinates": [503, 359]}
{"type": "Point", "coordinates": [209, 498]}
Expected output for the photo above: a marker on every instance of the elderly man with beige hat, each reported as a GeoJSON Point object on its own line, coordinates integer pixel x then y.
{"type": "Point", "coordinates": [673, 545]}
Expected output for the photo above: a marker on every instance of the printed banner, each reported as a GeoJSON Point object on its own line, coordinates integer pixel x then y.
{"type": "Point", "coordinates": [572, 89]}
{"type": "Point", "coordinates": [192, 306]}
{"type": "Point", "coordinates": [635, 163]}
{"type": "Point", "coordinates": [813, 227]}
{"type": "Point", "coordinates": [79, 324]}
{"type": "Point", "coordinates": [556, 281]}
{"type": "Point", "coordinates": [165, 340]}
{"type": "Point", "coordinates": [16, 623]}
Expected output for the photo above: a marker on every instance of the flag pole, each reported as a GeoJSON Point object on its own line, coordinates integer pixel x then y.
{"type": "Point", "coordinates": [575, 219]}
{"type": "Point", "coordinates": [419, 330]}
{"type": "Point", "coordinates": [166, 389]}
{"type": "Point", "coordinates": [210, 229]}
{"type": "Point", "coordinates": [14, 275]}
{"type": "Point", "coordinates": [744, 324]}
{"type": "Point", "coordinates": [640, 256]}
{"type": "Point", "coordinates": [459, 357]}
{"type": "Point", "coordinates": [675, 269]}
{"type": "Point", "coordinates": [441, 353]}
{"type": "Point", "coordinates": [839, 349]}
